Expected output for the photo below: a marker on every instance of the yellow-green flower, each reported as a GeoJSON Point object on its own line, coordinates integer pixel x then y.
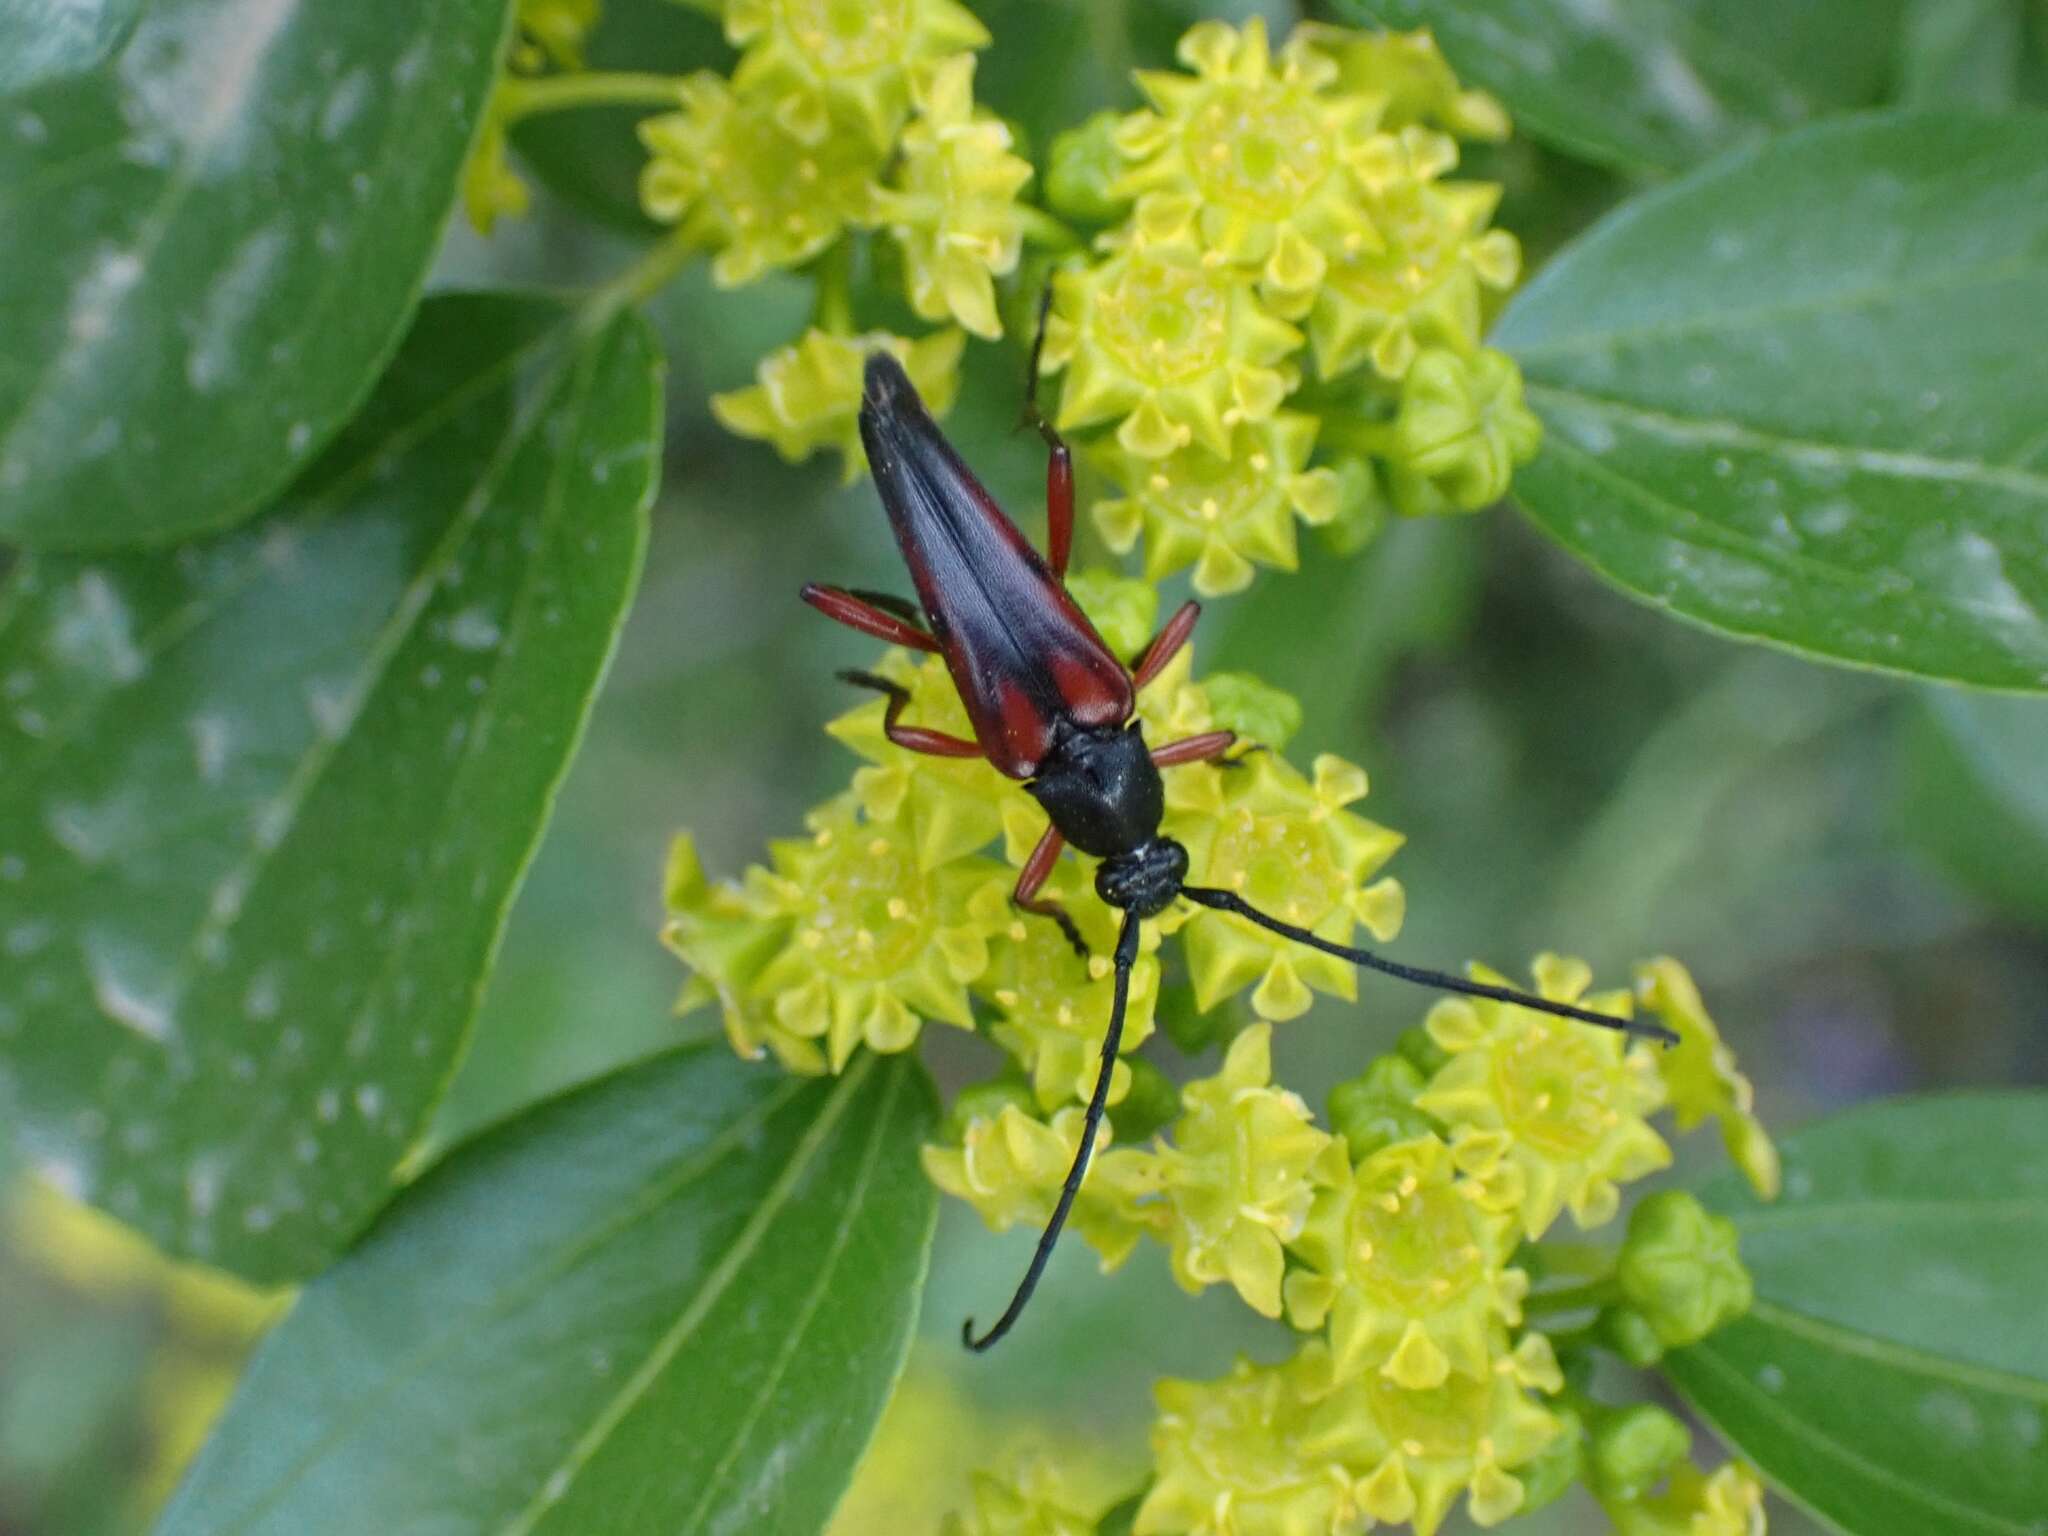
{"type": "Point", "coordinates": [725, 936]}
{"type": "Point", "coordinates": [1010, 1167]}
{"type": "Point", "coordinates": [491, 189]}
{"type": "Point", "coordinates": [1729, 1502]}
{"type": "Point", "coordinates": [1180, 349]}
{"type": "Point", "coordinates": [953, 207]}
{"type": "Point", "coordinates": [1029, 1501]}
{"type": "Point", "coordinates": [807, 396]}
{"type": "Point", "coordinates": [1421, 1449]}
{"type": "Point", "coordinates": [1249, 160]}
{"type": "Point", "coordinates": [1221, 515]}
{"type": "Point", "coordinates": [1241, 1173]}
{"type": "Point", "coordinates": [1247, 1456]}
{"type": "Point", "coordinates": [1701, 1075]}
{"type": "Point", "coordinates": [1410, 1271]}
{"type": "Point", "coordinates": [877, 944]}
{"type": "Point", "coordinates": [815, 62]}
{"type": "Point", "coordinates": [1461, 430]}
{"type": "Point", "coordinates": [1053, 1006]}
{"type": "Point", "coordinates": [738, 182]}
{"type": "Point", "coordinates": [1546, 1112]}
{"type": "Point", "coordinates": [1410, 73]}
{"type": "Point", "coordinates": [1286, 844]}
{"type": "Point", "coordinates": [1428, 286]}
{"type": "Point", "coordinates": [552, 31]}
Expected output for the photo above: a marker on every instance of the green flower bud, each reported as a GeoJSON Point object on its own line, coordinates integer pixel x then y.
{"type": "Point", "coordinates": [1461, 431]}
{"type": "Point", "coordinates": [1679, 1267]}
{"type": "Point", "coordinates": [1418, 1046]}
{"type": "Point", "coordinates": [1557, 1466]}
{"type": "Point", "coordinates": [1377, 1108]}
{"type": "Point", "coordinates": [1631, 1448]}
{"type": "Point", "coordinates": [1084, 163]}
{"type": "Point", "coordinates": [1361, 507]}
{"type": "Point", "coordinates": [1628, 1334]}
{"type": "Point", "coordinates": [985, 1101]}
{"type": "Point", "coordinates": [1152, 1103]}
{"type": "Point", "coordinates": [1255, 710]}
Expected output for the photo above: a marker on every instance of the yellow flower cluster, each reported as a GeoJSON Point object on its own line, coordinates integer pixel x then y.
{"type": "Point", "coordinates": [1265, 203]}
{"type": "Point", "coordinates": [842, 116]}
{"type": "Point", "coordinates": [1419, 1379]}
{"type": "Point", "coordinates": [891, 914]}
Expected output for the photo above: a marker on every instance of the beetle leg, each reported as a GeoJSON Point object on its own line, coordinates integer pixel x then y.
{"type": "Point", "coordinates": [872, 613]}
{"type": "Point", "coordinates": [1194, 749]}
{"type": "Point", "coordinates": [1059, 469]}
{"type": "Point", "coordinates": [911, 738]}
{"type": "Point", "coordinates": [1166, 644]}
{"type": "Point", "coordinates": [1033, 875]}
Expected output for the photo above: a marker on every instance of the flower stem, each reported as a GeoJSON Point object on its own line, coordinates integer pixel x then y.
{"type": "Point", "coordinates": [521, 97]}
{"type": "Point", "coordinates": [643, 279]}
{"type": "Point", "coordinates": [1041, 228]}
{"type": "Point", "coordinates": [1568, 1298]}
{"type": "Point", "coordinates": [1561, 1259]}
{"type": "Point", "coordinates": [833, 310]}
{"type": "Point", "coordinates": [1341, 430]}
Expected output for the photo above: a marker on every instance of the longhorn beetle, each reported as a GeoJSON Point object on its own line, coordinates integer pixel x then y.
{"type": "Point", "coordinates": [1051, 705]}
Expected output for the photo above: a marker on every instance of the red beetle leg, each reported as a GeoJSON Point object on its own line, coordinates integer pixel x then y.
{"type": "Point", "coordinates": [1166, 644]}
{"type": "Point", "coordinates": [1194, 749]}
{"type": "Point", "coordinates": [856, 613]}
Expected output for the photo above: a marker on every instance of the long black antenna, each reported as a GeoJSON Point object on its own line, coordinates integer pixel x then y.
{"type": "Point", "coordinates": [1126, 957]}
{"type": "Point", "coordinates": [1442, 981]}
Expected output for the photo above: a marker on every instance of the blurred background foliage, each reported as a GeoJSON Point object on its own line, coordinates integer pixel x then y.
{"type": "Point", "coordinates": [1854, 866]}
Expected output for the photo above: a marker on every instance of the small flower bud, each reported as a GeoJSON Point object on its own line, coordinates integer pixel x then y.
{"type": "Point", "coordinates": [1377, 1108]}
{"type": "Point", "coordinates": [984, 1101]}
{"type": "Point", "coordinates": [1629, 1335]}
{"type": "Point", "coordinates": [1631, 1449]}
{"type": "Point", "coordinates": [1679, 1267]}
{"type": "Point", "coordinates": [1083, 166]}
{"type": "Point", "coordinates": [1557, 1466]}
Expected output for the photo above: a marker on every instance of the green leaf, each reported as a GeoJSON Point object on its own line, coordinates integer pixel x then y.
{"type": "Point", "coordinates": [1975, 797]}
{"type": "Point", "coordinates": [1795, 397]}
{"type": "Point", "coordinates": [42, 39]}
{"type": "Point", "coordinates": [1658, 85]}
{"type": "Point", "coordinates": [672, 1302]}
{"type": "Point", "coordinates": [209, 248]}
{"type": "Point", "coordinates": [268, 799]}
{"type": "Point", "coordinates": [1893, 1374]}
{"type": "Point", "coordinates": [591, 155]}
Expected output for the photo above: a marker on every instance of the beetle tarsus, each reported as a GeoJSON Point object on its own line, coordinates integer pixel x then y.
{"type": "Point", "coordinates": [1058, 914]}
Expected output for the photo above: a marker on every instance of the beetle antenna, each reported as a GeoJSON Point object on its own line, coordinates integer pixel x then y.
{"type": "Point", "coordinates": [1126, 957]}
{"type": "Point", "coordinates": [1442, 981]}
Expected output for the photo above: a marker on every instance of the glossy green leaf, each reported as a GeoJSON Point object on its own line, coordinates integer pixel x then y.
{"type": "Point", "coordinates": [268, 798]}
{"type": "Point", "coordinates": [673, 1302]}
{"type": "Point", "coordinates": [209, 248]}
{"type": "Point", "coordinates": [591, 155]}
{"type": "Point", "coordinates": [1976, 796]}
{"type": "Point", "coordinates": [1797, 397]}
{"type": "Point", "coordinates": [42, 39]}
{"type": "Point", "coordinates": [1658, 85]}
{"type": "Point", "coordinates": [1893, 1374]}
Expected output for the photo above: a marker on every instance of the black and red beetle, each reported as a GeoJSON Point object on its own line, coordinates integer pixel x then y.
{"type": "Point", "coordinates": [1053, 706]}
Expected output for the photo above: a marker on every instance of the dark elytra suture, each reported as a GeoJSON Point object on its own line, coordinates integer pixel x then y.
{"type": "Point", "coordinates": [1053, 706]}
